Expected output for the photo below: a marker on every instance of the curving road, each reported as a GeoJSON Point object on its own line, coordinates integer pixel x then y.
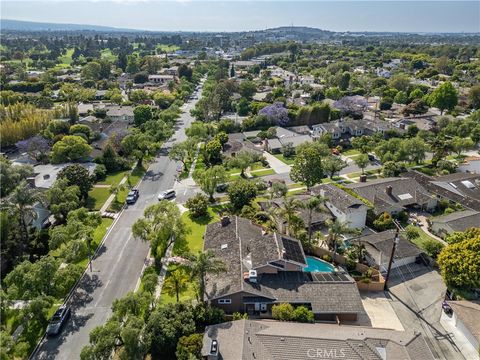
{"type": "Point", "coordinates": [118, 263]}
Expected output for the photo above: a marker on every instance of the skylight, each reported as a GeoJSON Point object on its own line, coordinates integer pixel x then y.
{"type": "Point", "coordinates": [468, 184]}
{"type": "Point", "coordinates": [405, 196]}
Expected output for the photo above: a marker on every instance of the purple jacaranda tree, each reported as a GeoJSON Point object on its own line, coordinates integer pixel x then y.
{"type": "Point", "coordinates": [37, 147]}
{"type": "Point", "coordinates": [276, 113]}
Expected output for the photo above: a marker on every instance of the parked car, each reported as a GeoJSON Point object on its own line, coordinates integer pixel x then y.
{"type": "Point", "coordinates": [132, 196]}
{"type": "Point", "coordinates": [222, 188]}
{"type": "Point", "coordinates": [58, 320]}
{"type": "Point", "coordinates": [167, 194]}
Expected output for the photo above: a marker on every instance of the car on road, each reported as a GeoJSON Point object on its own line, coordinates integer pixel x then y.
{"type": "Point", "coordinates": [58, 320]}
{"type": "Point", "coordinates": [132, 196]}
{"type": "Point", "coordinates": [167, 194]}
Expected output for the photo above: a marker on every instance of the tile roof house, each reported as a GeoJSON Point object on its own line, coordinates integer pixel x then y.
{"type": "Point", "coordinates": [379, 247]}
{"type": "Point", "coordinates": [393, 195]}
{"type": "Point", "coordinates": [344, 207]}
{"type": "Point", "coordinates": [266, 269]}
{"type": "Point", "coordinates": [275, 340]}
{"type": "Point", "coordinates": [461, 188]}
{"type": "Point", "coordinates": [346, 128]}
{"type": "Point", "coordinates": [457, 221]}
{"type": "Point", "coordinates": [238, 142]}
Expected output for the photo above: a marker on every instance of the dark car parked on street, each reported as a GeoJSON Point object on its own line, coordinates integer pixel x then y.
{"type": "Point", "coordinates": [58, 320]}
{"type": "Point", "coordinates": [132, 196]}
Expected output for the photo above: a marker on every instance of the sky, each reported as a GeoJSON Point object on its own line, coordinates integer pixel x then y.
{"type": "Point", "coordinates": [229, 15]}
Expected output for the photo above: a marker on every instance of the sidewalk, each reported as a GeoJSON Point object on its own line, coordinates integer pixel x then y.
{"type": "Point", "coordinates": [103, 209]}
{"type": "Point", "coordinates": [277, 165]}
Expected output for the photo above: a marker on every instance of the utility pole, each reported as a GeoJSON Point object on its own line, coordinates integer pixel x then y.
{"type": "Point", "coordinates": [395, 242]}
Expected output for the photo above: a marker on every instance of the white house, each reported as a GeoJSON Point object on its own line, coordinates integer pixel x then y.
{"type": "Point", "coordinates": [343, 206]}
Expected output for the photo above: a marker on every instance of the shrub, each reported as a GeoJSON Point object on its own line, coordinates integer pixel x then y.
{"type": "Point", "coordinates": [302, 314]}
{"type": "Point", "coordinates": [288, 150]}
{"type": "Point", "coordinates": [283, 312]}
{"type": "Point", "coordinates": [197, 205]}
{"type": "Point", "coordinates": [239, 316]}
{"type": "Point", "coordinates": [327, 258]}
{"type": "Point", "coordinates": [100, 172]}
{"type": "Point", "coordinates": [189, 347]}
{"type": "Point", "coordinates": [433, 247]}
{"type": "Point", "coordinates": [350, 264]}
{"type": "Point", "coordinates": [411, 232]}
{"type": "Point", "coordinates": [384, 222]}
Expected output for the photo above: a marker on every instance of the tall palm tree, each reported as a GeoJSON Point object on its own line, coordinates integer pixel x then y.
{"type": "Point", "coordinates": [335, 230]}
{"type": "Point", "coordinates": [314, 204]}
{"type": "Point", "coordinates": [288, 211]}
{"type": "Point", "coordinates": [202, 264]}
{"type": "Point", "coordinates": [22, 202]}
{"type": "Point", "coordinates": [176, 282]}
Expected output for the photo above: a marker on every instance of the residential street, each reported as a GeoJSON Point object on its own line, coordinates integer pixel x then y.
{"type": "Point", "coordinates": [118, 263]}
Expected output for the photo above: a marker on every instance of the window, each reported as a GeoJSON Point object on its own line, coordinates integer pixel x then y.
{"type": "Point", "coordinates": [224, 301]}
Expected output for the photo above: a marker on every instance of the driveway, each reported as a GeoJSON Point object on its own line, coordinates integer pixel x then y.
{"type": "Point", "coordinates": [380, 312]}
{"type": "Point", "coordinates": [416, 294]}
{"type": "Point", "coordinates": [277, 165]}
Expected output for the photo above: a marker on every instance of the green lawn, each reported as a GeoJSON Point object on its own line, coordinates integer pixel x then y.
{"type": "Point", "coordinates": [101, 230]}
{"type": "Point", "coordinates": [197, 227]}
{"type": "Point", "coordinates": [288, 161]}
{"type": "Point", "coordinates": [136, 174]}
{"type": "Point", "coordinates": [167, 48]}
{"type": "Point", "coordinates": [351, 152]}
{"type": "Point", "coordinates": [67, 58]}
{"type": "Point", "coordinates": [263, 173]}
{"type": "Point", "coordinates": [113, 179]}
{"type": "Point", "coordinates": [420, 241]}
{"type": "Point", "coordinates": [97, 197]}
{"type": "Point", "coordinates": [186, 295]}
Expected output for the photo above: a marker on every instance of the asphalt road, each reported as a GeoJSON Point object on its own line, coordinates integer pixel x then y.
{"type": "Point", "coordinates": [118, 263]}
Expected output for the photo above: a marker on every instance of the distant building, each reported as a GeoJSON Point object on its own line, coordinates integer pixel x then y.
{"type": "Point", "coordinates": [46, 175]}
{"type": "Point", "coordinates": [160, 79]}
{"type": "Point", "coordinates": [120, 113]}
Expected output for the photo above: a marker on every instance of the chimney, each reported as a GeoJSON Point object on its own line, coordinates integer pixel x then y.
{"type": "Point", "coordinates": [31, 181]}
{"type": "Point", "coordinates": [388, 190]}
{"type": "Point", "coordinates": [252, 276]}
{"type": "Point", "coordinates": [225, 220]}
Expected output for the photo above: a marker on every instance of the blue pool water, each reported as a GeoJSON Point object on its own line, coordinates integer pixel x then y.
{"type": "Point", "coordinates": [317, 265]}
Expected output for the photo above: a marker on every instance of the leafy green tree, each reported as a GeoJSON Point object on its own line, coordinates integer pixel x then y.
{"type": "Point", "coordinates": [37, 310]}
{"type": "Point", "coordinates": [12, 175]}
{"type": "Point", "coordinates": [401, 98]}
{"type": "Point", "coordinates": [333, 164]}
{"type": "Point", "coordinates": [474, 96]}
{"type": "Point", "coordinates": [241, 192]}
{"type": "Point", "coordinates": [247, 89]}
{"type": "Point", "coordinates": [288, 213]}
{"type": "Point", "coordinates": [183, 151]}
{"type": "Point", "coordinates": [364, 144]}
{"type": "Point", "coordinates": [384, 222]}
{"type": "Point", "coordinates": [70, 148]}
{"type": "Point", "coordinates": [161, 225]}
{"type": "Point", "coordinates": [362, 162]}
{"type": "Point", "coordinates": [277, 190]}
{"type": "Point", "coordinates": [197, 205]}
{"type": "Point", "coordinates": [135, 340]}
{"type": "Point", "coordinates": [176, 282]}
{"type": "Point", "coordinates": [416, 149]}
{"type": "Point", "coordinates": [460, 144]}
{"type": "Point", "coordinates": [460, 264]}
{"type": "Point", "coordinates": [197, 130]}
{"type": "Point", "coordinates": [142, 114]}
{"type": "Point", "coordinates": [242, 161]}
{"type": "Point", "coordinates": [63, 199]}
{"type": "Point", "coordinates": [433, 248]}
{"type": "Point", "coordinates": [314, 204]}
{"type": "Point", "coordinates": [139, 145]}
{"type": "Point", "coordinates": [201, 265]}
{"type": "Point", "coordinates": [308, 164]}
{"type": "Point", "coordinates": [81, 130]}
{"type": "Point", "coordinates": [335, 231]}
{"type": "Point", "coordinates": [213, 151]}
{"type": "Point", "coordinates": [103, 340]}
{"type": "Point", "coordinates": [76, 174]}
{"type": "Point", "coordinates": [189, 347]}
{"type": "Point", "coordinates": [163, 99]}
{"type": "Point", "coordinates": [444, 97]}
{"type": "Point", "coordinates": [210, 178]}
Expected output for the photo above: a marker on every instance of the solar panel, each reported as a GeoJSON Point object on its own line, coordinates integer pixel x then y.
{"type": "Point", "coordinates": [293, 250]}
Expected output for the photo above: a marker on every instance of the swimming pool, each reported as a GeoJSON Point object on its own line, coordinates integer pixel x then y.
{"type": "Point", "coordinates": [317, 265]}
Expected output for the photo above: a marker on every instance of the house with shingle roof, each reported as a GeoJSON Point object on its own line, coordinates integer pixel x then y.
{"type": "Point", "coordinates": [457, 221]}
{"type": "Point", "coordinates": [279, 340]}
{"type": "Point", "coordinates": [466, 316]}
{"type": "Point", "coordinates": [379, 248]}
{"type": "Point", "coordinates": [264, 269]}
{"type": "Point", "coordinates": [393, 195]}
{"type": "Point", "coordinates": [462, 188]}
{"type": "Point", "coordinates": [344, 207]}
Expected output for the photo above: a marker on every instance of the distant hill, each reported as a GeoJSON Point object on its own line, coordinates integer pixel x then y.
{"type": "Point", "coordinates": [18, 25]}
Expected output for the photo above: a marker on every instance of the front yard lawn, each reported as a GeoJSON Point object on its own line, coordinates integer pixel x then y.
{"type": "Point", "coordinates": [351, 152]}
{"type": "Point", "coordinates": [187, 295]}
{"type": "Point", "coordinates": [288, 161]}
{"type": "Point", "coordinates": [422, 239]}
{"type": "Point", "coordinates": [197, 227]}
{"type": "Point", "coordinates": [113, 179]}
{"type": "Point", "coordinates": [97, 197]}
{"type": "Point", "coordinates": [263, 173]}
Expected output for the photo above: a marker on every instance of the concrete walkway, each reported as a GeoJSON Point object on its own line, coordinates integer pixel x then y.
{"type": "Point", "coordinates": [424, 227]}
{"type": "Point", "coordinates": [110, 199]}
{"type": "Point", "coordinates": [277, 165]}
